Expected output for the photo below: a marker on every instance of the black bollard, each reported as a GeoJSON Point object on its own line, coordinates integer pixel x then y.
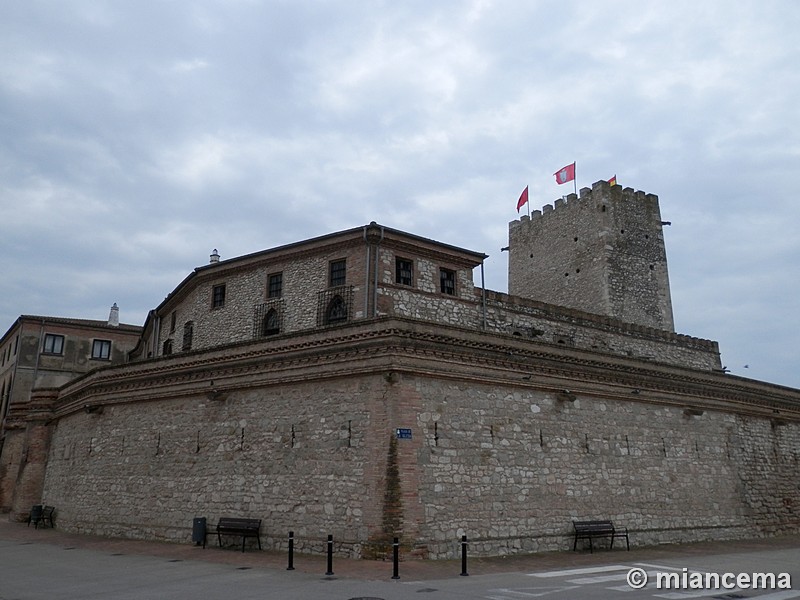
{"type": "Point", "coordinates": [464, 556]}
{"type": "Point", "coordinates": [396, 559]}
{"type": "Point", "coordinates": [291, 552]}
{"type": "Point", "coordinates": [330, 555]}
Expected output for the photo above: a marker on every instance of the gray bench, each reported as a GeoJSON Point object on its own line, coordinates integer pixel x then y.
{"type": "Point", "coordinates": [239, 527]}
{"type": "Point", "coordinates": [589, 530]}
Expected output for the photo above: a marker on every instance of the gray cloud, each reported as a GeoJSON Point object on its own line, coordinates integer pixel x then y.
{"type": "Point", "coordinates": [135, 138]}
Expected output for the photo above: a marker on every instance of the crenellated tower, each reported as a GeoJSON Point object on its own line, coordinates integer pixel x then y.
{"type": "Point", "coordinates": [601, 252]}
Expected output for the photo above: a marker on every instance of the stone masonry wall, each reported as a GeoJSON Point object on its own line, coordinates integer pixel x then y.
{"type": "Point", "coordinates": [534, 320]}
{"type": "Point", "coordinates": [507, 464]}
{"type": "Point", "coordinates": [303, 458]}
{"type": "Point", "coordinates": [303, 280]}
{"type": "Point", "coordinates": [571, 328]}
{"type": "Point", "coordinates": [601, 252]}
{"type": "Point", "coordinates": [513, 468]}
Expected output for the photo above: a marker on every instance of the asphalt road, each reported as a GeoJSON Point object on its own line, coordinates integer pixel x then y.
{"type": "Point", "coordinates": [36, 566]}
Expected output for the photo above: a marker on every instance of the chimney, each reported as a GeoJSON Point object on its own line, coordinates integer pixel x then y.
{"type": "Point", "coordinates": [113, 316]}
{"type": "Point", "coordinates": [214, 257]}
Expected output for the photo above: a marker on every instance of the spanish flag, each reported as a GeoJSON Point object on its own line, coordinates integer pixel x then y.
{"type": "Point", "coordinates": [613, 180]}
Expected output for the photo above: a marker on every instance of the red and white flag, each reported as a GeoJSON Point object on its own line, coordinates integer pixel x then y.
{"type": "Point", "coordinates": [566, 174]}
{"type": "Point", "coordinates": [523, 199]}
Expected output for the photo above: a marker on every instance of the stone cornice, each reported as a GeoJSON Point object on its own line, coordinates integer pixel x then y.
{"type": "Point", "coordinates": [424, 349]}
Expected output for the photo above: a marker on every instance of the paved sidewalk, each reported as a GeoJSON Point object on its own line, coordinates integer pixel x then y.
{"type": "Point", "coordinates": [419, 570]}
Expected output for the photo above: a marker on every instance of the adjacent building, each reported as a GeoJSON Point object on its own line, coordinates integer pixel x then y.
{"type": "Point", "coordinates": [39, 352]}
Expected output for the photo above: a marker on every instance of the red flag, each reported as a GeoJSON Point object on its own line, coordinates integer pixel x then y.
{"type": "Point", "coordinates": [523, 199]}
{"type": "Point", "coordinates": [566, 174]}
{"type": "Point", "coordinates": [613, 180]}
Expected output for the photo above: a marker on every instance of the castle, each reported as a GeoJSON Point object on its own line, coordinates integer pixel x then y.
{"type": "Point", "coordinates": [361, 384]}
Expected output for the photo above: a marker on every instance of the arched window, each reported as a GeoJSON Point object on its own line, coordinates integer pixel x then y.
{"type": "Point", "coordinates": [336, 312]}
{"type": "Point", "coordinates": [270, 324]}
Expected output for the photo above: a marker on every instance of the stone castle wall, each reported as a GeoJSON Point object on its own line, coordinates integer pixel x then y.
{"type": "Point", "coordinates": [514, 468]}
{"type": "Point", "coordinates": [545, 323]}
{"type": "Point", "coordinates": [498, 450]}
{"type": "Point", "coordinates": [522, 415]}
{"type": "Point", "coordinates": [300, 458]}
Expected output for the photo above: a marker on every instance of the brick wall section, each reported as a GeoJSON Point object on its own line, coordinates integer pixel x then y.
{"type": "Point", "coordinates": [300, 438]}
{"type": "Point", "coordinates": [35, 448]}
{"type": "Point", "coordinates": [10, 463]}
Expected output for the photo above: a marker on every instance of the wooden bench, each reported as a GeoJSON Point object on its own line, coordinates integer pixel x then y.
{"type": "Point", "coordinates": [41, 514]}
{"type": "Point", "coordinates": [588, 530]}
{"type": "Point", "coordinates": [236, 526]}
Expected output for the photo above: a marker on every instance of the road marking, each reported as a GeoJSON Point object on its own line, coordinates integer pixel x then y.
{"type": "Point", "coordinates": [605, 578]}
{"type": "Point", "coordinates": [524, 593]}
{"type": "Point", "coordinates": [662, 567]}
{"type": "Point", "coordinates": [626, 588]}
{"type": "Point", "coordinates": [585, 571]}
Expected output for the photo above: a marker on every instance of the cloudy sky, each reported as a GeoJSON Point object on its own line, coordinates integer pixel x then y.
{"type": "Point", "coordinates": [136, 137]}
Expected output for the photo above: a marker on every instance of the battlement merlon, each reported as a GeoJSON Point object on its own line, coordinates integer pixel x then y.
{"type": "Point", "coordinates": [600, 192]}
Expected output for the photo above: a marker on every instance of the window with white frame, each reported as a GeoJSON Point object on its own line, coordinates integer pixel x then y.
{"type": "Point", "coordinates": [53, 344]}
{"type": "Point", "coordinates": [101, 350]}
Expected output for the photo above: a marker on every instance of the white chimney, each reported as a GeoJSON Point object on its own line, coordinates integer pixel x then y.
{"type": "Point", "coordinates": [113, 316]}
{"type": "Point", "coordinates": [214, 257]}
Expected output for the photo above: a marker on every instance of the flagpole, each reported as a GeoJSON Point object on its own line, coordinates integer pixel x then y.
{"type": "Point", "coordinates": [575, 180]}
{"type": "Point", "coordinates": [529, 204]}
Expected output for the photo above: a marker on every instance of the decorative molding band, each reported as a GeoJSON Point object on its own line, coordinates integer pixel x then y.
{"type": "Point", "coordinates": [429, 350]}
